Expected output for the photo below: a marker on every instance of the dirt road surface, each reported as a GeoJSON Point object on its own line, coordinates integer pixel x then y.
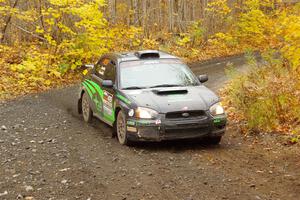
{"type": "Point", "coordinates": [48, 152]}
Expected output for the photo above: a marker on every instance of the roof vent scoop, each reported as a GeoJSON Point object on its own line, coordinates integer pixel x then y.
{"type": "Point", "coordinates": [147, 54]}
{"type": "Point", "coordinates": [170, 91]}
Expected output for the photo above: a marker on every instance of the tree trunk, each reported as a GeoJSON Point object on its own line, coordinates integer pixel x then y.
{"type": "Point", "coordinates": [171, 15]}
{"type": "Point", "coordinates": [7, 22]}
{"type": "Point", "coordinates": [145, 16]}
{"type": "Point", "coordinates": [113, 10]}
{"type": "Point", "coordinates": [40, 6]}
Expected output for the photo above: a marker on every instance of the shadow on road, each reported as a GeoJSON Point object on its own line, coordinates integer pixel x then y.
{"type": "Point", "coordinates": [177, 146]}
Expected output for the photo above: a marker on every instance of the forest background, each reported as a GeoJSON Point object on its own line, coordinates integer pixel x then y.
{"type": "Point", "coordinates": [44, 43]}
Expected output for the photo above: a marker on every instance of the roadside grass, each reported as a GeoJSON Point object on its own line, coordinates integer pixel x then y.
{"type": "Point", "coordinates": [265, 99]}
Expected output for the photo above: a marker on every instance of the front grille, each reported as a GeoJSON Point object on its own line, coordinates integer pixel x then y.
{"type": "Point", "coordinates": [186, 133]}
{"type": "Point", "coordinates": [185, 114]}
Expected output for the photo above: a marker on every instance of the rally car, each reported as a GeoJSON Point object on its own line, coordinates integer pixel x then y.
{"type": "Point", "coordinates": [150, 96]}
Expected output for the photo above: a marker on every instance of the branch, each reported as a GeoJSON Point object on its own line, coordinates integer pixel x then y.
{"type": "Point", "coordinates": [29, 32]}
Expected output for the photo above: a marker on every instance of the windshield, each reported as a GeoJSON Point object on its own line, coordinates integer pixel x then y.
{"type": "Point", "coordinates": [157, 73]}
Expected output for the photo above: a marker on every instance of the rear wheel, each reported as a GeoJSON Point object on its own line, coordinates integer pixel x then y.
{"type": "Point", "coordinates": [214, 140]}
{"type": "Point", "coordinates": [121, 129]}
{"type": "Point", "coordinates": [86, 109]}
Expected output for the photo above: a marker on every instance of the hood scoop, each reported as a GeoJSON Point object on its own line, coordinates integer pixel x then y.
{"type": "Point", "coordinates": [170, 91]}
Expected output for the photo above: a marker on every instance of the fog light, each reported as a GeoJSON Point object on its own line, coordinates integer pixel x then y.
{"type": "Point", "coordinates": [131, 113]}
{"type": "Point", "coordinates": [131, 129]}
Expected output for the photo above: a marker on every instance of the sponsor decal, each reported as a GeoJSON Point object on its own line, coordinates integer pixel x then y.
{"type": "Point", "coordinates": [217, 121]}
{"type": "Point", "coordinates": [108, 105]}
{"type": "Point", "coordinates": [131, 123]}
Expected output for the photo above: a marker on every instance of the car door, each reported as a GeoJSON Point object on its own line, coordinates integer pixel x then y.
{"type": "Point", "coordinates": [97, 78]}
{"type": "Point", "coordinates": [104, 100]}
{"type": "Point", "coordinates": [109, 93]}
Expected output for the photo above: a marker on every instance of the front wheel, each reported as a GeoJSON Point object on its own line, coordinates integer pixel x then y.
{"type": "Point", "coordinates": [121, 129]}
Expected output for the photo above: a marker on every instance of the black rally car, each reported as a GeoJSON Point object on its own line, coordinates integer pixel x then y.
{"type": "Point", "coordinates": [150, 95]}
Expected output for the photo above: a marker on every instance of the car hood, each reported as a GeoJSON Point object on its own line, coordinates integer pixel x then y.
{"type": "Point", "coordinates": [174, 99]}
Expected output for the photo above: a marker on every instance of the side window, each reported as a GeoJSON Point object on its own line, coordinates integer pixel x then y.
{"type": "Point", "coordinates": [100, 68]}
{"type": "Point", "coordinates": [110, 71]}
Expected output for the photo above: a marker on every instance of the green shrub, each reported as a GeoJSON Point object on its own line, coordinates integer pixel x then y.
{"type": "Point", "coordinates": [266, 98]}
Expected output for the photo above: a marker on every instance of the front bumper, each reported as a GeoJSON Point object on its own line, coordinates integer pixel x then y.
{"type": "Point", "coordinates": [173, 129]}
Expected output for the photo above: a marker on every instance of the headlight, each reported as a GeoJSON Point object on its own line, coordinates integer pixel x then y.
{"type": "Point", "coordinates": [217, 109]}
{"type": "Point", "coordinates": [145, 113]}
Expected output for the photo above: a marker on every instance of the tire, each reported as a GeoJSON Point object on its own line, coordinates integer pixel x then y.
{"type": "Point", "coordinates": [121, 129]}
{"type": "Point", "coordinates": [214, 140]}
{"type": "Point", "coordinates": [87, 112]}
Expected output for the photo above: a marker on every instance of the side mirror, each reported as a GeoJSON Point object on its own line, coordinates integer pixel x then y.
{"type": "Point", "coordinates": [203, 78]}
{"type": "Point", "coordinates": [89, 66]}
{"type": "Point", "coordinates": [107, 84]}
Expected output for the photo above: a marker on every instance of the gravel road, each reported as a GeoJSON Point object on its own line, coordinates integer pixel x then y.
{"type": "Point", "coordinates": [48, 152]}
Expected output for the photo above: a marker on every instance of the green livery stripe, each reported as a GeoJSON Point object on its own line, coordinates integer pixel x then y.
{"type": "Point", "coordinates": [124, 99]}
{"type": "Point", "coordinates": [96, 99]}
{"type": "Point", "coordinates": [96, 86]}
{"type": "Point", "coordinates": [88, 89]}
{"type": "Point", "coordinates": [109, 118]}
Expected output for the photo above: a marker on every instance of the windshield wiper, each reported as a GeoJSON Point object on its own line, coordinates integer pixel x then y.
{"type": "Point", "coordinates": [134, 88]}
{"type": "Point", "coordinates": [167, 85]}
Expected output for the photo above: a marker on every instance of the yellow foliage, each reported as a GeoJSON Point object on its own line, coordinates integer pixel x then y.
{"type": "Point", "coordinates": [183, 40]}
{"type": "Point", "coordinates": [87, 37]}
{"type": "Point", "coordinates": [150, 44]}
{"type": "Point", "coordinates": [219, 7]}
{"type": "Point", "coordinates": [288, 30]}
{"type": "Point", "coordinates": [77, 32]}
{"type": "Point", "coordinates": [27, 69]}
{"type": "Point", "coordinates": [224, 40]}
{"type": "Point", "coordinates": [261, 98]}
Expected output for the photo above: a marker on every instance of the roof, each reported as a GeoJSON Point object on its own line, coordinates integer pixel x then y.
{"type": "Point", "coordinates": [139, 55]}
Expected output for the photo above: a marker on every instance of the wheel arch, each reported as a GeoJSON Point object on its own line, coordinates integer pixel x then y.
{"type": "Point", "coordinates": [117, 110]}
{"type": "Point", "coordinates": [79, 104]}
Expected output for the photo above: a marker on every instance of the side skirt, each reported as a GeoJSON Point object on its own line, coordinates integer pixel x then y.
{"type": "Point", "coordinates": [103, 120]}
